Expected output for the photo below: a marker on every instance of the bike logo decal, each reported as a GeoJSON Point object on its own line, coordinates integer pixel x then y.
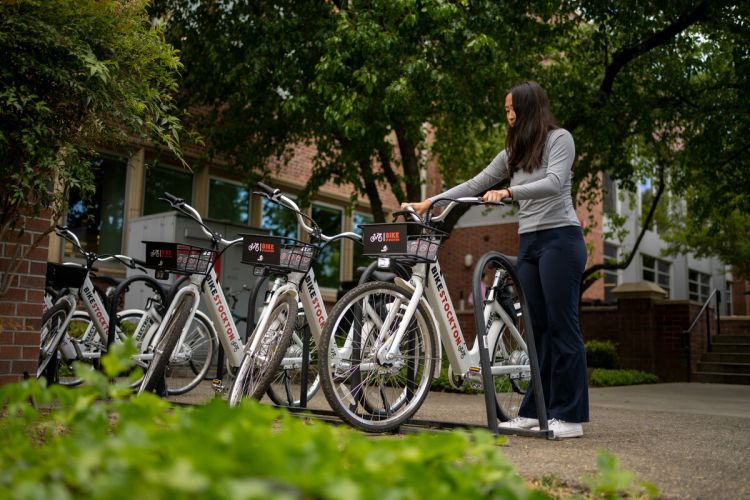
{"type": "Point", "coordinates": [320, 315]}
{"type": "Point", "coordinates": [260, 249]}
{"type": "Point", "coordinates": [384, 238]}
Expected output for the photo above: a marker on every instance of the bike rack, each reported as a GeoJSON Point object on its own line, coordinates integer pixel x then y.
{"type": "Point", "coordinates": [114, 302]}
{"type": "Point", "coordinates": [486, 365]}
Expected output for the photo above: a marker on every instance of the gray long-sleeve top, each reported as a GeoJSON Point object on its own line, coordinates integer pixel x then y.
{"type": "Point", "coordinates": [543, 195]}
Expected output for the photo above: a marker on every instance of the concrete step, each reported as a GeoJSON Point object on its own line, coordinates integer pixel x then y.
{"type": "Point", "coordinates": [738, 368]}
{"type": "Point", "coordinates": [733, 348]}
{"type": "Point", "coordinates": [721, 378]}
{"type": "Point", "coordinates": [726, 357]}
{"type": "Point", "coordinates": [731, 339]}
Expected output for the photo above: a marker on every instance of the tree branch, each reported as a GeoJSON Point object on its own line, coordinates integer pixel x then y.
{"type": "Point", "coordinates": [371, 188]}
{"type": "Point", "coordinates": [391, 176]}
{"type": "Point", "coordinates": [624, 56]}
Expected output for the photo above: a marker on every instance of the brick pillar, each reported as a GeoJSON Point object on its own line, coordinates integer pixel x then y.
{"type": "Point", "coordinates": [21, 307]}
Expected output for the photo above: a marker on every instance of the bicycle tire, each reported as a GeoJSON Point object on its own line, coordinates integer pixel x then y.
{"type": "Point", "coordinates": [50, 337]}
{"type": "Point", "coordinates": [258, 368]}
{"type": "Point", "coordinates": [510, 388]}
{"type": "Point", "coordinates": [188, 367]}
{"type": "Point", "coordinates": [154, 376]}
{"type": "Point", "coordinates": [392, 391]}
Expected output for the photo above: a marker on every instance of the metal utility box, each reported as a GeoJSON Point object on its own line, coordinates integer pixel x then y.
{"type": "Point", "coordinates": [177, 228]}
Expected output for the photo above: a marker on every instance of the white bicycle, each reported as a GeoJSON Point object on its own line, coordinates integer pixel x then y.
{"type": "Point", "coordinates": [70, 335]}
{"type": "Point", "coordinates": [379, 351]}
{"type": "Point", "coordinates": [295, 290]}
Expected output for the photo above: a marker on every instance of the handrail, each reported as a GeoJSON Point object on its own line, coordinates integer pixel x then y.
{"type": "Point", "coordinates": [686, 333]}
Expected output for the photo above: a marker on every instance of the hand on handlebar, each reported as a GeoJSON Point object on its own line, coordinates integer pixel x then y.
{"type": "Point", "coordinates": [500, 195]}
{"type": "Point", "coordinates": [420, 207]}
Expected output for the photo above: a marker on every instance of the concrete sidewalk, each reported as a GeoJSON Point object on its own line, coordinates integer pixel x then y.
{"type": "Point", "coordinates": [690, 440]}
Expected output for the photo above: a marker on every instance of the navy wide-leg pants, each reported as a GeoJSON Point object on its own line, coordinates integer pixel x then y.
{"type": "Point", "coordinates": [550, 268]}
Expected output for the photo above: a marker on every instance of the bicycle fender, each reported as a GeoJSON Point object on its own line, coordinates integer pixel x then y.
{"type": "Point", "coordinates": [405, 284]}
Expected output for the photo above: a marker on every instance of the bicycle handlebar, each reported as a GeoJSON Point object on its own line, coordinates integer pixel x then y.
{"type": "Point", "coordinates": [470, 200]}
{"type": "Point", "coordinates": [276, 196]}
{"type": "Point", "coordinates": [182, 206]}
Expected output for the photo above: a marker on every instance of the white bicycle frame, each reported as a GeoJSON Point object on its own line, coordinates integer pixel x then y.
{"type": "Point", "coordinates": [435, 297]}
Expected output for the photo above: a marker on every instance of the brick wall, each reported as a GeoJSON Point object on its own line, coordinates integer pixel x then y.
{"type": "Point", "coordinates": [648, 334]}
{"type": "Point", "coordinates": [735, 325]}
{"type": "Point", "coordinates": [21, 307]}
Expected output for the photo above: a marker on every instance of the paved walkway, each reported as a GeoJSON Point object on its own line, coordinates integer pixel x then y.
{"type": "Point", "coordinates": [690, 440]}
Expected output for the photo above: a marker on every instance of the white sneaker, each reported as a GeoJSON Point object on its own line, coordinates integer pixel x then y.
{"type": "Point", "coordinates": [562, 429]}
{"type": "Point", "coordinates": [520, 423]}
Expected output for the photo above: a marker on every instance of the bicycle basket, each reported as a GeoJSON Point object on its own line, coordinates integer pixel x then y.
{"type": "Point", "coordinates": [278, 253]}
{"type": "Point", "coordinates": [65, 276]}
{"type": "Point", "coordinates": [402, 239]}
{"type": "Point", "coordinates": [178, 257]}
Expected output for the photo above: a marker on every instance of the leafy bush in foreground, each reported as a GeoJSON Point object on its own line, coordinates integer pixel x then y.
{"type": "Point", "coordinates": [98, 442]}
{"type": "Point", "coordinates": [93, 442]}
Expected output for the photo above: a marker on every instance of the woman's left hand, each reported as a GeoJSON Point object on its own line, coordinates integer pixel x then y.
{"type": "Point", "coordinates": [498, 195]}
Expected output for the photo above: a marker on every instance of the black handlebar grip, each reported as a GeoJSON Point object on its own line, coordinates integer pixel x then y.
{"type": "Point", "coordinates": [172, 199]}
{"type": "Point", "coordinates": [267, 189]}
{"type": "Point", "coordinates": [507, 200]}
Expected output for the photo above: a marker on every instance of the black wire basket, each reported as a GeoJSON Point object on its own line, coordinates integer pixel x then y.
{"type": "Point", "coordinates": [65, 276]}
{"type": "Point", "coordinates": [178, 257]}
{"type": "Point", "coordinates": [402, 240]}
{"type": "Point", "coordinates": [278, 253]}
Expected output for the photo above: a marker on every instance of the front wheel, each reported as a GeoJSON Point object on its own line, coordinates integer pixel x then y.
{"type": "Point", "coordinates": [365, 383]}
{"type": "Point", "coordinates": [286, 386]}
{"type": "Point", "coordinates": [154, 376]}
{"type": "Point", "coordinates": [189, 364]}
{"type": "Point", "coordinates": [259, 367]}
{"type": "Point", "coordinates": [52, 333]}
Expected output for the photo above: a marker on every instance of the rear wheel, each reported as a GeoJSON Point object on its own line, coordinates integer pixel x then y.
{"type": "Point", "coordinates": [364, 386]}
{"type": "Point", "coordinates": [259, 367]}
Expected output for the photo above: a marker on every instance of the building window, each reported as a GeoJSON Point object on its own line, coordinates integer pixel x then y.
{"type": "Point", "coordinates": [164, 179]}
{"type": "Point", "coordinates": [610, 194]}
{"type": "Point", "coordinates": [359, 260]}
{"type": "Point", "coordinates": [278, 220]}
{"type": "Point", "coordinates": [228, 201]}
{"type": "Point", "coordinates": [699, 286]}
{"type": "Point", "coordinates": [328, 267]}
{"type": "Point", "coordinates": [98, 221]}
{"type": "Point", "coordinates": [728, 298]}
{"type": "Point", "coordinates": [656, 271]}
{"type": "Point", "coordinates": [610, 275]}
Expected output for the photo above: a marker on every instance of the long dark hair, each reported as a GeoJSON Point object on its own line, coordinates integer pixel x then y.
{"type": "Point", "coordinates": [527, 137]}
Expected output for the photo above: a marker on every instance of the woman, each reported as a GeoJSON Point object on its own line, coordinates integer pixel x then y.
{"type": "Point", "coordinates": [538, 159]}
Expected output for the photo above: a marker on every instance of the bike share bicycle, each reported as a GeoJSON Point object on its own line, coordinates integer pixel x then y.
{"type": "Point", "coordinates": [57, 349]}
{"type": "Point", "coordinates": [289, 263]}
{"type": "Point", "coordinates": [379, 352]}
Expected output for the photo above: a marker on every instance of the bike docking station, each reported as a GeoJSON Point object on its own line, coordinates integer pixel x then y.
{"type": "Point", "coordinates": [490, 397]}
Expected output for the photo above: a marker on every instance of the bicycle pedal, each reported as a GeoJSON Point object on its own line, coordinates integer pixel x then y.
{"type": "Point", "coordinates": [218, 385]}
{"type": "Point", "coordinates": [474, 373]}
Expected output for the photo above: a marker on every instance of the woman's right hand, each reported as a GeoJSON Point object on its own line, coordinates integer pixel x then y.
{"type": "Point", "coordinates": [420, 207]}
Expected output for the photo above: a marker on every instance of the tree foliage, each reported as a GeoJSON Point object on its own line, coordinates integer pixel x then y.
{"type": "Point", "coordinates": [76, 74]}
{"type": "Point", "coordinates": [648, 89]}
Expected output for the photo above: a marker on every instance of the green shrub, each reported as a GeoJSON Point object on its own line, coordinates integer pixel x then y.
{"type": "Point", "coordinates": [97, 441]}
{"type": "Point", "coordinates": [607, 378]}
{"type": "Point", "coordinates": [602, 354]}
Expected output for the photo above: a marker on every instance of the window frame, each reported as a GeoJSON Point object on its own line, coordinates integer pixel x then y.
{"type": "Point", "coordinates": [236, 183]}
{"type": "Point", "coordinates": [166, 166]}
{"type": "Point", "coordinates": [342, 226]}
{"type": "Point", "coordinates": [655, 270]}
